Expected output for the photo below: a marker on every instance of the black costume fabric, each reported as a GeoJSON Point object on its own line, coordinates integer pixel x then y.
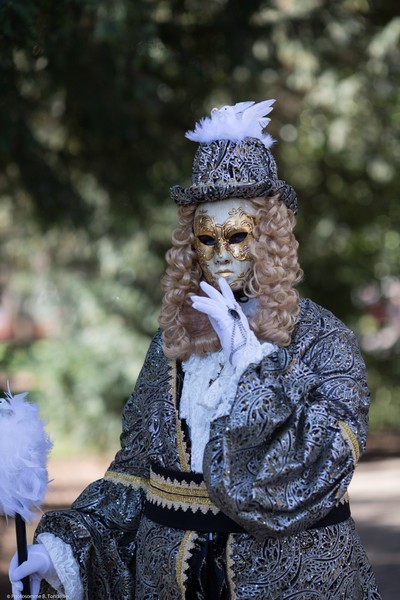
{"type": "Point", "coordinates": [277, 465]}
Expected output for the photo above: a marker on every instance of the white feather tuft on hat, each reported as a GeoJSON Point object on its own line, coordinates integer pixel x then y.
{"type": "Point", "coordinates": [235, 123]}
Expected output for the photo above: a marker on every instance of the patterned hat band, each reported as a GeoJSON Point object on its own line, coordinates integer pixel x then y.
{"type": "Point", "coordinates": [225, 169]}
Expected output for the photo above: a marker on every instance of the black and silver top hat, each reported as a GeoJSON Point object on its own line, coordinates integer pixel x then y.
{"type": "Point", "coordinates": [234, 159]}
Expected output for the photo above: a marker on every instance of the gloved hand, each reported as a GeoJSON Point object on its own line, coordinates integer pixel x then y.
{"type": "Point", "coordinates": [227, 318]}
{"type": "Point", "coordinates": [38, 566]}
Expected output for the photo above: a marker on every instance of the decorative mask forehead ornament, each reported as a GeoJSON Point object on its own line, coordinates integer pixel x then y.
{"type": "Point", "coordinates": [232, 165]}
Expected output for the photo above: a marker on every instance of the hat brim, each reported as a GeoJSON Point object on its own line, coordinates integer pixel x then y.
{"type": "Point", "coordinates": [197, 194]}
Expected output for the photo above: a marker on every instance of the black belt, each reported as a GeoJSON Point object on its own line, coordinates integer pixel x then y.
{"type": "Point", "coordinates": [180, 500]}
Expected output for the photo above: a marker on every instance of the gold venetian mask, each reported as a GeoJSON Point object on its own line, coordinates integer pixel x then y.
{"type": "Point", "coordinates": [222, 232]}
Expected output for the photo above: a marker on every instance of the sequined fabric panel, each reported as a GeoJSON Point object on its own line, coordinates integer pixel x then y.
{"type": "Point", "coordinates": [149, 422]}
{"type": "Point", "coordinates": [279, 462]}
{"type": "Point", "coordinates": [101, 530]}
{"type": "Point", "coordinates": [224, 169]}
{"type": "Point", "coordinates": [319, 564]}
{"type": "Point", "coordinates": [156, 562]}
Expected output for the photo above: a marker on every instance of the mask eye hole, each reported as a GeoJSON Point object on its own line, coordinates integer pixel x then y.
{"type": "Point", "coordinates": [238, 238]}
{"type": "Point", "coordinates": [207, 240]}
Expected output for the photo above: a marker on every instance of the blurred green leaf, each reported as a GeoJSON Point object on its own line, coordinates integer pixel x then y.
{"type": "Point", "coordinates": [94, 100]}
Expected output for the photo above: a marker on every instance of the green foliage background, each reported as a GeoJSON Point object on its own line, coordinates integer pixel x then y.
{"type": "Point", "coordinates": [95, 97]}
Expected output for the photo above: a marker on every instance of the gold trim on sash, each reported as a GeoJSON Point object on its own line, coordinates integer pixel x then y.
{"type": "Point", "coordinates": [127, 480]}
{"type": "Point", "coordinates": [170, 493]}
{"type": "Point", "coordinates": [344, 499]}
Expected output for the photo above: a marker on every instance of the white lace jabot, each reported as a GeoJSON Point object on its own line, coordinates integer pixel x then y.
{"type": "Point", "coordinates": [209, 389]}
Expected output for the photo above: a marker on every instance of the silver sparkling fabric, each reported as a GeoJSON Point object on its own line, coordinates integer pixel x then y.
{"type": "Point", "coordinates": [276, 465]}
{"type": "Point", "coordinates": [226, 169]}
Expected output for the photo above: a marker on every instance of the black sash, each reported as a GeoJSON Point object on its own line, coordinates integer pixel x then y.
{"type": "Point", "coordinates": [180, 500]}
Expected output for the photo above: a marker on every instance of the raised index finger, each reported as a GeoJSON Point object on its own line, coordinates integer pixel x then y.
{"type": "Point", "coordinates": [211, 291]}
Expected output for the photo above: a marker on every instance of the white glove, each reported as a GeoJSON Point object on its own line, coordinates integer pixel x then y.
{"type": "Point", "coordinates": [38, 566]}
{"type": "Point", "coordinates": [227, 318]}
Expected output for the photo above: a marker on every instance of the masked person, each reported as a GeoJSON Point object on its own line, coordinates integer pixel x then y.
{"type": "Point", "coordinates": [247, 420]}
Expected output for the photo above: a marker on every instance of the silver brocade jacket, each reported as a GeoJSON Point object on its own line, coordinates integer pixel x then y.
{"type": "Point", "coordinates": [276, 465]}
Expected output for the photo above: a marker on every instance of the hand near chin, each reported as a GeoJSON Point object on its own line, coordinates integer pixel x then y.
{"type": "Point", "coordinates": [226, 316]}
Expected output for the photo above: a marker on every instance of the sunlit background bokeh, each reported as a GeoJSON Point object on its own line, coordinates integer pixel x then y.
{"type": "Point", "coordinates": [95, 98]}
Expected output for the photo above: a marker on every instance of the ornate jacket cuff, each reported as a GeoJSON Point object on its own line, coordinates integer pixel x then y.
{"type": "Point", "coordinates": [68, 581]}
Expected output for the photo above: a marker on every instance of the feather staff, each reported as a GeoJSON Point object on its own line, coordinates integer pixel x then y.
{"type": "Point", "coordinates": [24, 448]}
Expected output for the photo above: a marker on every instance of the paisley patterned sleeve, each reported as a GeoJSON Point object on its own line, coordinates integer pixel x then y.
{"type": "Point", "coordinates": [285, 455]}
{"type": "Point", "coordinates": [101, 525]}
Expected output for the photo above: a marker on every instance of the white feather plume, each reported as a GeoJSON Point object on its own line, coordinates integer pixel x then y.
{"type": "Point", "coordinates": [235, 123]}
{"type": "Point", "coordinates": [24, 448]}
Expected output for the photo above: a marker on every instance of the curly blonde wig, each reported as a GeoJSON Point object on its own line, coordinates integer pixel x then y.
{"type": "Point", "coordinates": [276, 271]}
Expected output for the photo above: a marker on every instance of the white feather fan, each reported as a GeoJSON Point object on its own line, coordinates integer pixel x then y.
{"type": "Point", "coordinates": [235, 123]}
{"type": "Point", "coordinates": [24, 447]}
